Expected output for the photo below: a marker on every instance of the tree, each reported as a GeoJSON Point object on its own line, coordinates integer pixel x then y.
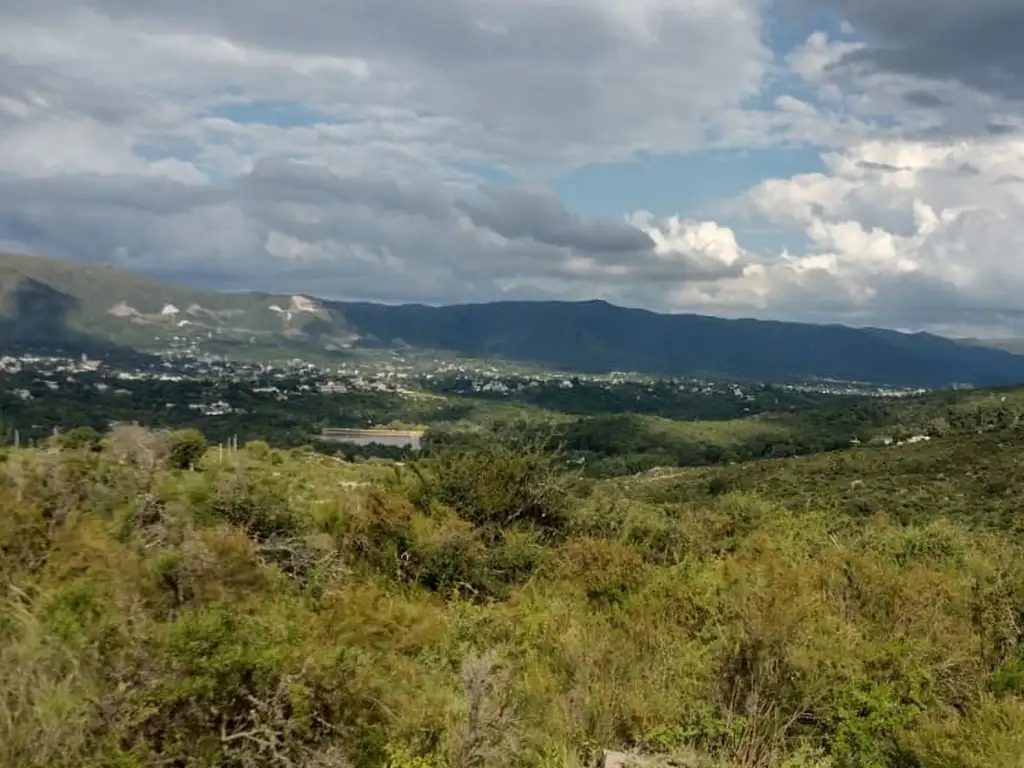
{"type": "Point", "coordinates": [81, 438]}
{"type": "Point", "coordinates": [187, 447]}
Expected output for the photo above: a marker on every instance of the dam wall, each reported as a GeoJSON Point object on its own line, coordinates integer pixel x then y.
{"type": "Point", "coordinates": [400, 438]}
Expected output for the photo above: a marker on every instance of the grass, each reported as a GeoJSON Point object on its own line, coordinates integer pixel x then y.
{"type": "Point", "coordinates": [726, 433]}
{"type": "Point", "coordinates": [974, 479]}
{"type": "Point", "coordinates": [279, 608]}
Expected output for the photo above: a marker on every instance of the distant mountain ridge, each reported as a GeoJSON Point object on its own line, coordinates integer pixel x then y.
{"type": "Point", "coordinates": [1014, 345]}
{"type": "Point", "coordinates": [596, 336]}
{"type": "Point", "coordinates": [47, 302]}
{"type": "Point", "coordinates": [54, 302]}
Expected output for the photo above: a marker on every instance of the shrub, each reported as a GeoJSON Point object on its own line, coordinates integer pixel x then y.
{"type": "Point", "coordinates": [187, 447]}
{"type": "Point", "coordinates": [258, 449]}
{"type": "Point", "coordinates": [272, 614]}
{"type": "Point", "coordinates": [608, 570]}
{"type": "Point", "coordinates": [254, 501]}
{"type": "Point", "coordinates": [132, 444]}
{"type": "Point", "coordinates": [81, 439]}
{"type": "Point", "coordinates": [503, 486]}
{"type": "Point", "coordinates": [720, 483]}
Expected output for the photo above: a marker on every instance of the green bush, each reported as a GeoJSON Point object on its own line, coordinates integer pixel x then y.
{"type": "Point", "coordinates": [186, 449]}
{"type": "Point", "coordinates": [258, 449]}
{"type": "Point", "coordinates": [81, 439]}
{"type": "Point", "coordinates": [503, 486]}
{"type": "Point", "coordinates": [257, 502]}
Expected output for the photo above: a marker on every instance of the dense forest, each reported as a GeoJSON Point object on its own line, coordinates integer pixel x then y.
{"type": "Point", "coordinates": [611, 430]}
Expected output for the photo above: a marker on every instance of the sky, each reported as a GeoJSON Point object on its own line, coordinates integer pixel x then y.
{"type": "Point", "coordinates": [830, 161]}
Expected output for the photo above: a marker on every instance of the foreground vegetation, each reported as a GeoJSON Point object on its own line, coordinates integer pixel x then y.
{"type": "Point", "coordinates": [167, 605]}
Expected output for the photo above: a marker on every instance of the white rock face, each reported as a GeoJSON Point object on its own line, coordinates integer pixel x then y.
{"type": "Point", "coordinates": [123, 309]}
{"type": "Point", "coordinates": [303, 304]}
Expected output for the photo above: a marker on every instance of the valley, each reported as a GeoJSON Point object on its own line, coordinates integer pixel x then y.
{"type": "Point", "coordinates": [395, 556]}
{"type": "Point", "coordinates": [484, 599]}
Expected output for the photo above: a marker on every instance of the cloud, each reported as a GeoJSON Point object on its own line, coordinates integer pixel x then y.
{"type": "Point", "coordinates": [1000, 129]}
{"type": "Point", "coordinates": [976, 43]}
{"type": "Point", "coordinates": [925, 99]}
{"type": "Point", "coordinates": [519, 213]}
{"type": "Point", "coordinates": [342, 150]}
{"type": "Point", "coordinates": [860, 99]}
{"type": "Point", "coordinates": [304, 227]}
{"type": "Point", "coordinates": [899, 233]}
{"type": "Point", "coordinates": [534, 83]}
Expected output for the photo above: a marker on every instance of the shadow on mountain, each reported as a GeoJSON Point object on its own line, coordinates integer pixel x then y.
{"type": "Point", "coordinates": [596, 336]}
{"type": "Point", "coordinates": [36, 318]}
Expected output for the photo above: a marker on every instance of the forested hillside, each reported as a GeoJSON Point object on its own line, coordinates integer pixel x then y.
{"type": "Point", "coordinates": [74, 307]}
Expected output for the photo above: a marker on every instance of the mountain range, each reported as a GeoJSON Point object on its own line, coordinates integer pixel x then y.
{"type": "Point", "coordinates": [49, 304]}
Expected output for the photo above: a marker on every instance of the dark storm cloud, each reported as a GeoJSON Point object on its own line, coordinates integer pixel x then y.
{"type": "Point", "coordinates": [511, 213]}
{"type": "Point", "coordinates": [518, 213]}
{"type": "Point", "coordinates": [275, 179]}
{"type": "Point", "coordinates": [975, 42]}
{"type": "Point", "coordinates": [923, 99]}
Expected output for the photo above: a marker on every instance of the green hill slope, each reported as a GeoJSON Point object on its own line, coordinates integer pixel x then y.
{"type": "Point", "coordinates": [53, 301]}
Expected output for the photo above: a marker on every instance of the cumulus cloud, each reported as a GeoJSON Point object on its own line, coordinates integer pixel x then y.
{"type": "Point", "coordinates": [907, 234]}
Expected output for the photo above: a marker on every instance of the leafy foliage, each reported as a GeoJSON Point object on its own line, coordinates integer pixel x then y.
{"type": "Point", "coordinates": [489, 607]}
{"type": "Point", "coordinates": [498, 485]}
{"type": "Point", "coordinates": [186, 448]}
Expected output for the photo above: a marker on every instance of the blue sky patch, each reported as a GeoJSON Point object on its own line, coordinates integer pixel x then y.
{"type": "Point", "coordinates": [667, 185]}
{"type": "Point", "coordinates": [282, 114]}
